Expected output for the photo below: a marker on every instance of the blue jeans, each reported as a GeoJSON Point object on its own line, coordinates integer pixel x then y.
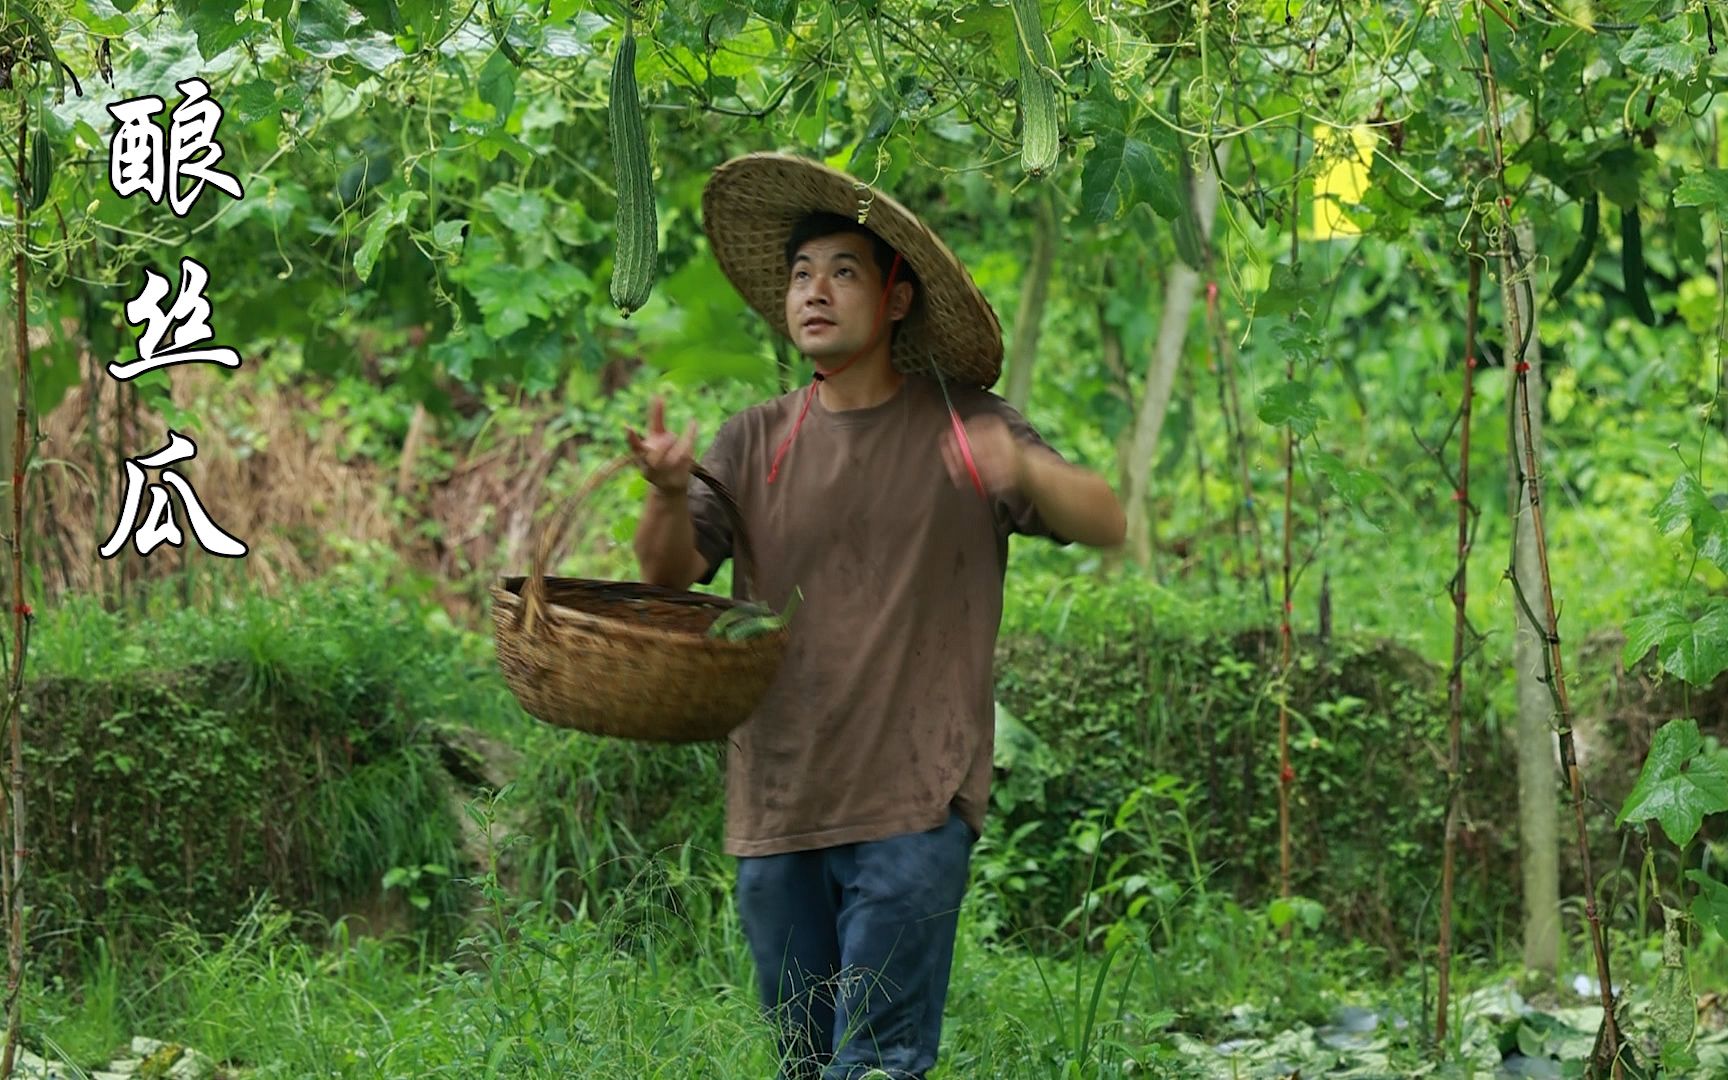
{"type": "Point", "coordinates": [853, 945]}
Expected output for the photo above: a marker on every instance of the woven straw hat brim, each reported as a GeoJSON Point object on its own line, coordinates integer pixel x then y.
{"type": "Point", "coordinates": [749, 208]}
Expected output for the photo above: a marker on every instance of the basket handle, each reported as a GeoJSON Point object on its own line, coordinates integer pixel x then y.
{"type": "Point", "coordinates": [746, 561]}
{"type": "Point", "coordinates": [533, 608]}
{"type": "Point", "coordinates": [534, 586]}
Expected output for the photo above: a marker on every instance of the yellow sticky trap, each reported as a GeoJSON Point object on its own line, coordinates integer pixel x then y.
{"type": "Point", "coordinates": [1344, 180]}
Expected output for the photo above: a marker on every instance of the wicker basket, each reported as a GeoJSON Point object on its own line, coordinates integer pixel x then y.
{"type": "Point", "coordinates": [628, 659]}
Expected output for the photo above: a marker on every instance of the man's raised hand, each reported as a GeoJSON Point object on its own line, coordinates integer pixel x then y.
{"type": "Point", "coordinates": [664, 458]}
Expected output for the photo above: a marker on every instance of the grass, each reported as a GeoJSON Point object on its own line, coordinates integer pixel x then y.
{"type": "Point", "coordinates": [557, 1000]}
{"type": "Point", "coordinates": [648, 989]}
{"type": "Point", "coordinates": [607, 963]}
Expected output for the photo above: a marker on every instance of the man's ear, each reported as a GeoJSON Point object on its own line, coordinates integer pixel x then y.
{"type": "Point", "coordinates": [900, 302]}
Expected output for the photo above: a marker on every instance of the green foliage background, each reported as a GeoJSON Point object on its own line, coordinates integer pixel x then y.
{"type": "Point", "coordinates": [428, 224]}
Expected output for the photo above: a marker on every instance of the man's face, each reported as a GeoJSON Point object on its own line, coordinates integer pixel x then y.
{"type": "Point", "coordinates": [832, 297]}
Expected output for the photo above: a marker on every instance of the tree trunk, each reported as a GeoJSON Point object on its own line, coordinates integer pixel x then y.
{"type": "Point", "coordinates": [1181, 284]}
{"type": "Point", "coordinates": [1538, 811]}
{"type": "Point", "coordinates": [1029, 316]}
{"type": "Point", "coordinates": [1110, 347]}
{"type": "Point", "coordinates": [8, 419]}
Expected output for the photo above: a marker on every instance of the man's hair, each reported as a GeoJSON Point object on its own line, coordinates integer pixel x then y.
{"type": "Point", "coordinates": [821, 223]}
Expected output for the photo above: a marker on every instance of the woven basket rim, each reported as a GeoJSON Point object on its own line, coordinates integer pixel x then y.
{"type": "Point", "coordinates": [511, 602]}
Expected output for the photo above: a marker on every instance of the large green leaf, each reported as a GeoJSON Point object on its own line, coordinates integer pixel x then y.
{"type": "Point", "coordinates": [1710, 909]}
{"type": "Point", "coordinates": [53, 372]}
{"type": "Point", "coordinates": [1291, 402]}
{"type": "Point", "coordinates": [1615, 170]}
{"type": "Point", "coordinates": [511, 295]}
{"type": "Point", "coordinates": [1127, 164]}
{"type": "Point", "coordinates": [1285, 293]}
{"type": "Point", "coordinates": [1683, 507]}
{"type": "Point", "coordinates": [699, 330]}
{"type": "Point", "coordinates": [1706, 187]}
{"type": "Point", "coordinates": [1695, 650]}
{"type": "Point", "coordinates": [328, 30]}
{"type": "Point", "coordinates": [1120, 172]}
{"type": "Point", "coordinates": [522, 212]}
{"type": "Point", "coordinates": [1663, 48]}
{"type": "Point", "coordinates": [214, 24]}
{"type": "Point", "coordinates": [392, 215]}
{"type": "Point", "coordinates": [782, 13]}
{"type": "Point", "coordinates": [1353, 486]}
{"type": "Point", "coordinates": [102, 18]}
{"type": "Point", "coordinates": [1687, 506]}
{"type": "Point", "coordinates": [497, 86]}
{"type": "Point", "coordinates": [381, 15]}
{"type": "Point", "coordinates": [322, 26]}
{"type": "Point", "coordinates": [1680, 784]}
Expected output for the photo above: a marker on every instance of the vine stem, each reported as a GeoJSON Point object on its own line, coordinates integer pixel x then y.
{"type": "Point", "coordinates": [12, 873]}
{"type": "Point", "coordinates": [1286, 774]}
{"type": "Point", "coordinates": [1606, 1055]}
{"type": "Point", "coordinates": [1230, 404]}
{"type": "Point", "coordinates": [1455, 681]}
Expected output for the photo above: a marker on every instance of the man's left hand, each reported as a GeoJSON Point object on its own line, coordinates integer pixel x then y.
{"type": "Point", "coordinates": [999, 456]}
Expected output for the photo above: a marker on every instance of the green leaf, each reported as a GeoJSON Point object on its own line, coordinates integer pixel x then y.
{"type": "Point", "coordinates": [1298, 344]}
{"type": "Point", "coordinates": [1663, 48]}
{"type": "Point", "coordinates": [378, 229]}
{"type": "Point", "coordinates": [1283, 911]}
{"type": "Point", "coordinates": [374, 52]}
{"type": "Point", "coordinates": [447, 235]}
{"type": "Point", "coordinates": [497, 86]}
{"type": "Point", "coordinates": [216, 40]}
{"type": "Point", "coordinates": [1645, 632]}
{"type": "Point", "coordinates": [53, 373]}
{"type": "Point", "coordinates": [1121, 172]}
{"type": "Point", "coordinates": [1291, 402]}
{"type": "Point", "coordinates": [381, 15]}
{"type": "Point", "coordinates": [101, 17]}
{"type": "Point", "coordinates": [1687, 223]}
{"type": "Point", "coordinates": [522, 212]}
{"type": "Point", "coordinates": [1280, 912]}
{"type": "Point", "coordinates": [1693, 650]}
{"type": "Point", "coordinates": [698, 329]}
{"type": "Point", "coordinates": [511, 295]}
{"type": "Point", "coordinates": [1124, 167]}
{"type": "Point", "coordinates": [421, 18]}
{"type": "Point", "coordinates": [322, 26]}
{"type": "Point", "coordinates": [1284, 293]}
{"type": "Point", "coordinates": [1353, 486]}
{"type": "Point", "coordinates": [1685, 505]}
{"type": "Point", "coordinates": [327, 30]}
{"type": "Point", "coordinates": [251, 102]}
{"type": "Point", "coordinates": [1616, 170]}
{"type": "Point", "coordinates": [1707, 188]}
{"type": "Point", "coordinates": [1710, 908]}
{"type": "Point", "coordinates": [213, 22]}
{"type": "Point", "coordinates": [1680, 784]}
{"type": "Point", "coordinates": [781, 13]}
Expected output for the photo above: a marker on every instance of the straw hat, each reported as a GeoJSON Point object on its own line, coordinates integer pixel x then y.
{"type": "Point", "coordinates": [749, 208]}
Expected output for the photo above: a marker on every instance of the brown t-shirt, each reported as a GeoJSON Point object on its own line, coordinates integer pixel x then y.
{"type": "Point", "coordinates": [882, 715]}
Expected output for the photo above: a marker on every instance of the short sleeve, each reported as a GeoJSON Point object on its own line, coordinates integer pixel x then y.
{"type": "Point", "coordinates": [707, 512]}
{"type": "Point", "coordinates": [1014, 511]}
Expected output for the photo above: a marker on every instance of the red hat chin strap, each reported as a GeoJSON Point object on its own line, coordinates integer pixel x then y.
{"type": "Point", "coordinates": [820, 376]}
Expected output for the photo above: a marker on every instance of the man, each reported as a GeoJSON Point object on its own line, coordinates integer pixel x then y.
{"type": "Point", "coordinates": [855, 791]}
